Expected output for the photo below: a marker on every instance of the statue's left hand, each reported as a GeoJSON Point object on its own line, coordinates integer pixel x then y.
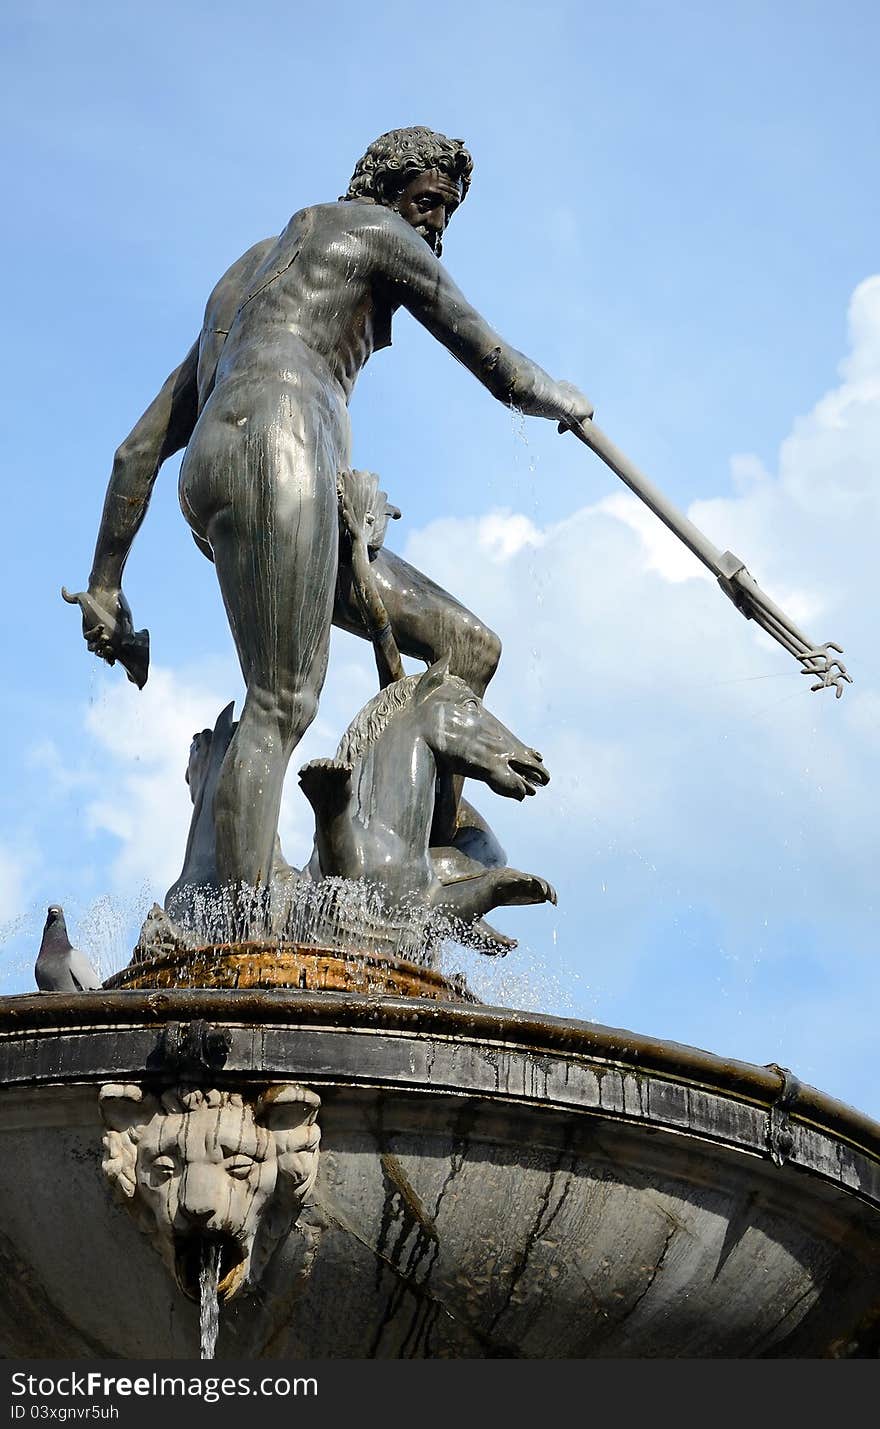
{"type": "Point", "coordinates": [108, 630]}
{"type": "Point", "coordinates": [364, 508]}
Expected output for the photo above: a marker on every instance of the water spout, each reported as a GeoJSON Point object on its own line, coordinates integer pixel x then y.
{"type": "Point", "coordinates": [350, 914]}
{"type": "Point", "coordinates": [209, 1305]}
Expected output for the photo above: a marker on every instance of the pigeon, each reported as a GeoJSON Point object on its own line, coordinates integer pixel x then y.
{"type": "Point", "coordinates": [59, 967]}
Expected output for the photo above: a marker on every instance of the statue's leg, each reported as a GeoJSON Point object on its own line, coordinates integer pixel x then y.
{"type": "Point", "coordinates": [427, 621]}
{"type": "Point", "coordinates": [275, 553]}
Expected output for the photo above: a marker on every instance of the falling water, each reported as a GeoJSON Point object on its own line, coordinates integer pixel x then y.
{"type": "Point", "coordinates": [209, 1307]}
{"type": "Point", "coordinates": [105, 930]}
{"type": "Point", "coordinates": [347, 914]}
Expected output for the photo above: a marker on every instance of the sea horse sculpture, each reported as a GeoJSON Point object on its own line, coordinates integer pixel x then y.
{"type": "Point", "coordinates": [374, 803]}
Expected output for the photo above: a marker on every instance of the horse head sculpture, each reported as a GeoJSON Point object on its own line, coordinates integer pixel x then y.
{"type": "Point", "coordinates": [374, 802]}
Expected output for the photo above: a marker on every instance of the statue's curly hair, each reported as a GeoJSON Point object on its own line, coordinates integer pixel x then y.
{"type": "Point", "coordinates": [399, 156]}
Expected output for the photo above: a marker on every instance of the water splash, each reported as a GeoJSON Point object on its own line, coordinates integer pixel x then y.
{"type": "Point", "coordinates": [209, 1304]}
{"type": "Point", "coordinates": [352, 916]}
{"type": "Point", "coordinates": [526, 979]}
{"type": "Point", "coordinates": [105, 930]}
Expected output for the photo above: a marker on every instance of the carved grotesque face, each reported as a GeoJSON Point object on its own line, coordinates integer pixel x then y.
{"type": "Point", "coordinates": [201, 1166]}
{"type": "Point", "coordinates": [427, 203]}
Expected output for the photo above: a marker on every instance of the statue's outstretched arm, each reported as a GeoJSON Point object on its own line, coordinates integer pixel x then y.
{"type": "Point", "coordinates": [421, 284]}
{"type": "Point", "coordinates": [164, 429]}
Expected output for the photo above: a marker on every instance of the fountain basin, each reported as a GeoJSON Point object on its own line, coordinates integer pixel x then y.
{"type": "Point", "coordinates": [266, 965]}
{"type": "Point", "coordinates": [490, 1184]}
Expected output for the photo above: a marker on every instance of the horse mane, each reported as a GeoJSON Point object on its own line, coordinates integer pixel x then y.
{"type": "Point", "coordinates": [375, 716]}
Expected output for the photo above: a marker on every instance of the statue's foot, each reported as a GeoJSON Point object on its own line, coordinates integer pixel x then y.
{"type": "Point", "coordinates": [514, 887]}
{"type": "Point", "coordinates": [469, 897]}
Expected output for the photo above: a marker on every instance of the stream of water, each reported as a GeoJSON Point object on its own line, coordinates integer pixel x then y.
{"type": "Point", "coordinates": [209, 1306]}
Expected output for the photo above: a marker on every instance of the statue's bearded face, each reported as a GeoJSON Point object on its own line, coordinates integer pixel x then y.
{"type": "Point", "coordinates": [427, 203]}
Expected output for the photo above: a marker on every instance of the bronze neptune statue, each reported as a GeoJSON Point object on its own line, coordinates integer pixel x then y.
{"type": "Point", "coordinates": [260, 404]}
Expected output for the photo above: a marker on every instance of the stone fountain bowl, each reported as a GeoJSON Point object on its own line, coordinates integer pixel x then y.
{"type": "Point", "coordinates": [489, 1184]}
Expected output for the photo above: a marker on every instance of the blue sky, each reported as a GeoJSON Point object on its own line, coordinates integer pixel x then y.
{"type": "Point", "coordinates": [674, 206]}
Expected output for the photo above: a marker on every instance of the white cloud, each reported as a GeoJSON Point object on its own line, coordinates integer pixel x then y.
{"type": "Point", "coordinates": [663, 552]}
{"type": "Point", "coordinates": [695, 776]}
{"type": "Point", "coordinates": [141, 743]}
{"type": "Point", "coordinates": [143, 740]}
{"type": "Point", "coordinates": [863, 361]}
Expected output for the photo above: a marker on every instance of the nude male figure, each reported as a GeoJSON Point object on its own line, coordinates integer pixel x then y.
{"type": "Point", "coordinates": [261, 405]}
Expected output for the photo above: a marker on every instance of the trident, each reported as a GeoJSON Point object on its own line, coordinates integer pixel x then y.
{"type": "Point", "coordinates": [817, 660]}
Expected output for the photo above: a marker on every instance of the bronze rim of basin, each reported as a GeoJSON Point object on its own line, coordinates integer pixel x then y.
{"type": "Point", "coordinates": [309, 968]}
{"type": "Point", "coordinates": [25, 1017]}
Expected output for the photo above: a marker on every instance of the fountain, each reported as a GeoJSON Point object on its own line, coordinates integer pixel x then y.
{"type": "Point", "coordinates": [281, 1122]}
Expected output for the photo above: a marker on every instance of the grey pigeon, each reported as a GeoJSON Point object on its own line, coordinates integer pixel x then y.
{"type": "Point", "coordinates": [59, 967]}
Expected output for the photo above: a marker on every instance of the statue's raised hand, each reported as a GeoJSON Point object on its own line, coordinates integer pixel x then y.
{"type": "Point", "coordinates": [109, 631]}
{"type": "Point", "coordinates": [574, 408]}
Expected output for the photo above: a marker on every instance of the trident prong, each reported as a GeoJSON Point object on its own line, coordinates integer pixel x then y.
{"type": "Point", "coordinates": [729, 570]}
{"type": "Point", "coordinates": [832, 673]}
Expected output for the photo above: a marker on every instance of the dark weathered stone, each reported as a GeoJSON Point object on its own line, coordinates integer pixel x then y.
{"type": "Point", "coordinates": [374, 803]}
{"type": "Point", "coordinates": [490, 1183]}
